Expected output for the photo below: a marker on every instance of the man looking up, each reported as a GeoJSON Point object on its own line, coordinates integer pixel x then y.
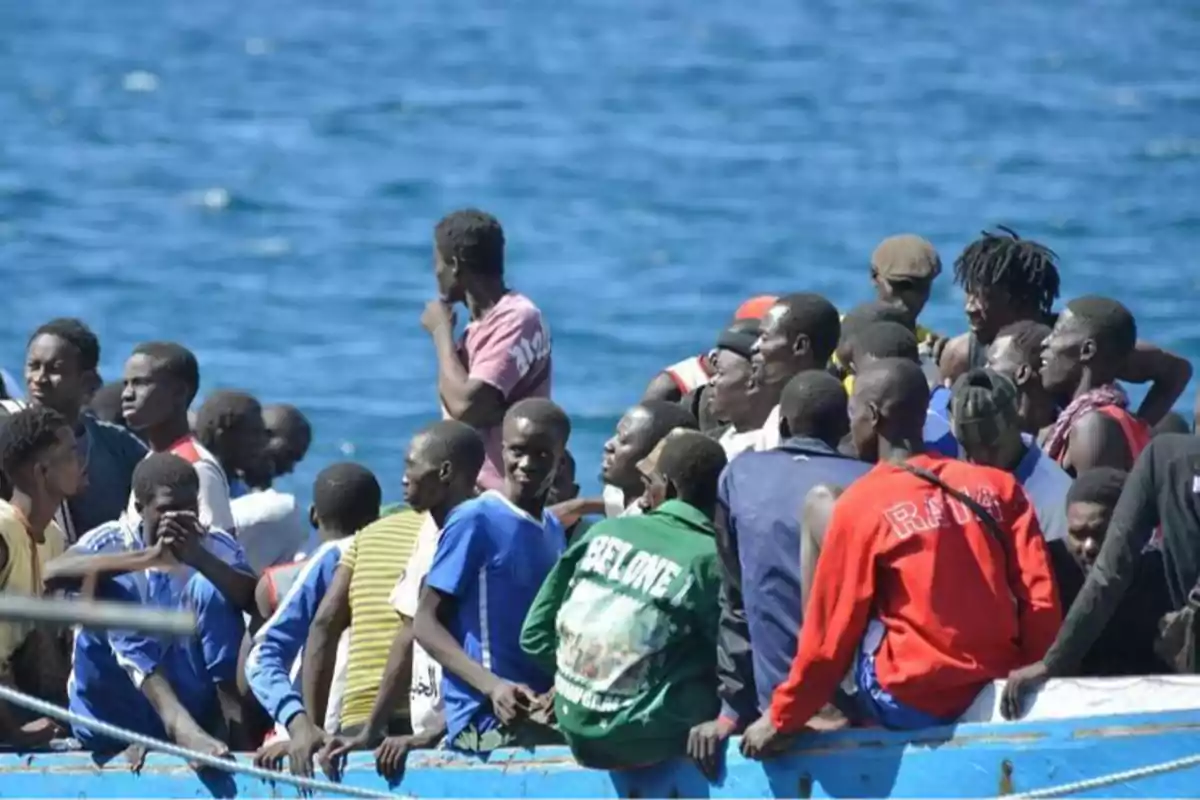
{"type": "Point", "coordinates": [1091, 339]}
{"type": "Point", "coordinates": [60, 374]}
{"type": "Point", "coordinates": [627, 620]}
{"type": "Point", "coordinates": [504, 355]}
{"type": "Point", "coordinates": [1016, 354]}
{"type": "Point", "coordinates": [493, 556]}
{"type": "Point", "coordinates": [934, 569]}
{"type": "Point", "coordinates": [37, 453]}
{"type": "Point", "coordinates": [161, 380]}
{"type": "Point", "coordinates": [230, 426]}
{"type": "Point", "coordinates": [735, 398]}
{"type": "Point", "coordinates": [637, 433]}
{"type": "Point", "coordinates": [799, 333]}
{"type": "Point", "coordinates": [758, 538]}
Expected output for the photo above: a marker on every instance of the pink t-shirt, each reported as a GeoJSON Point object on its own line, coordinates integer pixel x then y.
{"type": "Point", "coordinates": [509, 348]}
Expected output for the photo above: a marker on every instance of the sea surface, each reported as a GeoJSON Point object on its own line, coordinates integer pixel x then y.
{"type": "Point", "coordinates": [259, 180]}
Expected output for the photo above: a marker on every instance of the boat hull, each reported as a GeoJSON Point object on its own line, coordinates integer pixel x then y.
{"type": "Point", "coordinates": [967, 760]}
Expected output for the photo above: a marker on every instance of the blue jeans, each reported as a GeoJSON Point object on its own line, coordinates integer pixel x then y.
{"type": "Point", "coordinates": [878, 703]}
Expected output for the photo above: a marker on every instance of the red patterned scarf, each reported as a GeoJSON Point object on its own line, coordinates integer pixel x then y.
{"type": "Point", "coordinates": [1092, 400]}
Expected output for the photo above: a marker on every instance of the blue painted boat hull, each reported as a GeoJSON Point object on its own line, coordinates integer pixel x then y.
{"type": "Point", "coordinates": [967, 760]}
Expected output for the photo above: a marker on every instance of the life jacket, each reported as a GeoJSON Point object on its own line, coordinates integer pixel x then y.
{"type": "Point", "coordinates": [280, 580]}
{"type": "Point", "coordinates": [691, 373]}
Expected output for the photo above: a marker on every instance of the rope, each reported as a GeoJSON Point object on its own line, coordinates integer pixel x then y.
{"type": "Point", "coordinates": [1109, 780]}
{"type": "Point", "coordinates": [310, 785]}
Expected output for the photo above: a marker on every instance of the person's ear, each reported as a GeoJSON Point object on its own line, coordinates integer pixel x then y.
{"type": "Point", "coordinates": [874, 414]}
{"type": "Point", "coordinates": [446, 472]}
{"type": "Point", "coordinates": [1022, 376]}
{"type": "Point", "coordinates": [785, 430]}
{"type": "Point", "coordinates": [1087, 350]}
{"type": "Point", "coordinates": [312, 516]}
{"type": "Point", "coordinates": [802, 346]}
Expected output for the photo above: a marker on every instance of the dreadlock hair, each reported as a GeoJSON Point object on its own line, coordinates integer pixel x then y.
{"type": "Point", "coordinates": [224, 411]}
{"type": "Point", "coordinates": [1108, 322]}
{"type": "Point", "coordinates": [78, 335]}
{"type": "Point", "coordinates": [176, 361]}
{"type": "Point", "coordinates": [163, 471]}
{"type": "Point", "coordinates": [1028, 337]}
{"type": "Point", "coordinates": [1100, 485]}
{"type": "Point", "coordinates": [693, 462]}
{"type": "Point", "coordinates": [1027, 270]}
{"type": "Point", "coordinates": [474, 239]}
{"type": "Point", "coordinates": [544, 412]}
{"type": "Point", "coordinates": [347, 497]}
{"type": "Point", "coordinates": [25, 435]}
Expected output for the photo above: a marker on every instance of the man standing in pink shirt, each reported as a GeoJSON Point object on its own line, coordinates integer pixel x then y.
{"type": "Point", "coordinates": [504, 354]}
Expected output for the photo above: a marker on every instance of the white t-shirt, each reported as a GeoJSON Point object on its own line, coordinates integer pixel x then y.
{"type": "Point", "coordinates": [425, 696]}
{"type": "Point", "coordinates": [270, 528]}
{"type": "Point", "coordinates": [215, 509]}
{"type": "Point", "coordinates": [768, 437]}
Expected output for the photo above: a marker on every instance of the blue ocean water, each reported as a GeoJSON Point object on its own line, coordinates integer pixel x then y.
{"type": "Point", "coordinates": [260, 180]}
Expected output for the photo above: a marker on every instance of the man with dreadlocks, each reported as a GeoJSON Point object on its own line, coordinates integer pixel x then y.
{"type": "Point", "coordinates": [1008, 279]}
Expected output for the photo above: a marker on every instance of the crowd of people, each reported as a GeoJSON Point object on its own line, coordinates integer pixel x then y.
{"type": "Point", "coordinates": [822, 519]}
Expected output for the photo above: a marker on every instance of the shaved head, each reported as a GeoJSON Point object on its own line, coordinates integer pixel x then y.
{"type": "Point", "coordinates": [890, 401]}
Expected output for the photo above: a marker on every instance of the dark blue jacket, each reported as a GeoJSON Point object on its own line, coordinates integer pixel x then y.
{"type": "Point", "coordinates": [759, 512]}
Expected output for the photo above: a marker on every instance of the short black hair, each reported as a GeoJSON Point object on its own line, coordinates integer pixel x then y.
{"type": "Point", "coordinates": [666, 417]}
{"type": "Point", "coordinates": [1101, 485]}
{"type": "Point", "coordinates": [75, 333]}
{"type": "Point", "coordinates": [1028, 336]}
{"type": "Point", "coordinates": [693, 462]}
{"type": "Point", "coordinates": [863, 315]}
{"type": "Point", "coordinates": [222, 411]}
{"type": "Point", "coordinates": [885, 340]}
{"type": "Point", "coordinates": [1027, 270]}
{"type": "Point", "coordinates": [163, 471]}
{"type": "Point", "coordinates": [456, 442]}
{"type": "Point", "coordinates": [175, 360]}
{"type": "Point", "coordinates": [814, 404]}
{"type": "Point", "coordinates": [544, 412]}
{"type": "Point", "coordinates": [27, 434]}
{"type": "Point", "coordinates": [1106, 321]}
{"type": "Point", "coordinates": [898, 385]}
{"type": "Point", "coordinates": [814, 316]}
{"type": "Point", "coordinates": [347, 497]}
{"type": "Point", "coordinates": [474, 239]}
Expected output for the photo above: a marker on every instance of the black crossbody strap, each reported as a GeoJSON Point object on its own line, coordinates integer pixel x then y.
{"type": "Point", "coordinates": [989, 522]}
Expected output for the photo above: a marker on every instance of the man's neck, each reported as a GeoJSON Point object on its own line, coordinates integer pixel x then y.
{"type": "Point", "coordinates": [531, 506]}
{"type": "Point", "coordinates": [1018, 455]}
{"type": "Point", "coordinates": [1088, 381]}
{"type": "Point", "coordinates": [442, 511]}
{"type": "Point", "coordinates": [38, 511]}
{"type": "Point", "coordinates": [332, 534]}
{"type": "Point", "coordinates": [162, 437]}
{"type": "Point", "coordinates": [484, 297]}
{"type": "Point", "coordinates": [901, 450]}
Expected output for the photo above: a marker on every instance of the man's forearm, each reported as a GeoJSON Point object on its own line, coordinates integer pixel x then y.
{"type": "Point", "coordinates": [441, 645]}
{"type": "Point", "coordinates": [452, 375]}
{"type": "Point", "coordinates": [397, 681]}
{"type": "Point", "coordinates": [175, 718]}
{"type": "Point", "coordinates": [69, 570]}
{"type": "Point", "coordinates": [235, 585]}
